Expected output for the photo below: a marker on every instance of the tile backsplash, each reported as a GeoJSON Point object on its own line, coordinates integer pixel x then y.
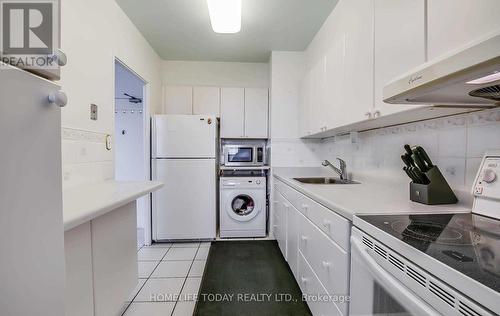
{"type": "Point", "coordinates": [456, 144]}
{"type": "Point", "coordinates": [85, 158]}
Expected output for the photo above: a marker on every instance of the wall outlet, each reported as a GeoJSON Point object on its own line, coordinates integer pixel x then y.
{"type": "Point", "coordinates": [93, 112]}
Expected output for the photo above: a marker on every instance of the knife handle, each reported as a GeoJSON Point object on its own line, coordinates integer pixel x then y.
{"type": "Point", "coordinates": [423, 154]}
{"type": "Point", "coordinates": [408, 149]}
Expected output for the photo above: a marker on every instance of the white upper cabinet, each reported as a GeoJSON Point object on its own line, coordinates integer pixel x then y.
{"type": "Point", "coordinates": [232, 110]}
{"type": "Point", "coordinates": [334, 77]}
{"type": "Point", "coordinates": [454, 23]}
{"type": "Point", "coordinates": [399, 45]}
{"type": "Point", "coordinates": [178, 100]}
{"type": "Point", "coordinates": [206, 100]}
{"type": "Point", "coordinates": [357, 88]}
{"type": "Point", "coordinates": [305, 106]}
{"type": "Point", "coordinates": [256, 112]}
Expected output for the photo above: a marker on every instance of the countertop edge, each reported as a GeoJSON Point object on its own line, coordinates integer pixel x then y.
{"type": "Point", "coordinates": [82, 217]}
{"type": "Point", "coordinates": [326, 203]}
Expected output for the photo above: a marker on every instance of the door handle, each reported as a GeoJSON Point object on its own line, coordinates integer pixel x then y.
{"type": "Point", "coordinates": [58, 98]}
{"type": "Point", "coordinates": [303, 238]}
{"type": "Point", "coordinates": [326, 264]}
{"type": "Point", "coordinates": [303, 279]}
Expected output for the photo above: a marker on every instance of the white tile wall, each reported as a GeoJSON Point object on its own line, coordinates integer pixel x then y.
{"type": "Point", "coordinates": [85, 158]}
{"type": "Point", "coordinates": [456, 144]}
{"type": "Point", "coordinates": [288, 152]}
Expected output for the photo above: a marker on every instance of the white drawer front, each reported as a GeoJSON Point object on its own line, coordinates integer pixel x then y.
{"type": "Point", "coordinates": [335, 226]}
{"type": "Point", "coordinates": [328, 260]}
{"type": "Point", "coordinates": [311, 287]}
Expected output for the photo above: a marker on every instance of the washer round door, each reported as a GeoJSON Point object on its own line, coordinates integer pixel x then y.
{"type": "Point", "coordinates": [242, 206]}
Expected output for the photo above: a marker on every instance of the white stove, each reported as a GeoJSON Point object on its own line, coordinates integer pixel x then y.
{"type": "Point", "coordinates": [431, 264]}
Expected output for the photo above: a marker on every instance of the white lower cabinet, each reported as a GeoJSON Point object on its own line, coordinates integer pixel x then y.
{"type": "Point", "coordinates": [328, 260]}
{"type": "Point", "coordinates": [315, 243]}
{"type": "Point", "coordinates": [101, 263]}
{"type": "Point", "coordinates": [293, 219]}
{"type": "Point", "coordinates": [313, 291]}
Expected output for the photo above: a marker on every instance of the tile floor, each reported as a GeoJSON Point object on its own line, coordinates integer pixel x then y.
{"type": "Point", "coordinates": [169, 279]}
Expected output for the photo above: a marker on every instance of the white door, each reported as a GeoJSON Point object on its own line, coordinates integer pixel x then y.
{"type": "Point", "coordinates": [256, 112]}
{"type": "Point", "coordinates": [178, 100]}
{"type": "Point", "coordinates": [206, 101]}
{"type": "Point", "coordinates": [184, 208]}
{"type": "Point", "coordinates": [184, 136]}
{"type": "Point", "coordinates": [399, 45]}
{"type": "Point", "coordinates": [31, 213]}
{"type": "Point", "coordinates": [454, 23]}
{"type": "Point", "coordinates": [232, 113]}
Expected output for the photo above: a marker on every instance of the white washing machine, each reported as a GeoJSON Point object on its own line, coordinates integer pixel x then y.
{"type": "Point", "coordinates": [242, 211]}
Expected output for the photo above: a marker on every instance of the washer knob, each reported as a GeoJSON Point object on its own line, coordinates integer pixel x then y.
{"type": "Point", "coordinates": [489, 176]}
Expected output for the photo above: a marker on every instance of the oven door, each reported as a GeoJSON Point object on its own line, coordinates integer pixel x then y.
{"type": "Point", "coordinates": [239, 155]}
{"type": "Point", "coordinates": [375, 291]}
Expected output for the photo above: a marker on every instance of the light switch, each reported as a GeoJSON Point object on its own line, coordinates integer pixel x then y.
{"type": "Point", "coordinates": [93, 112]}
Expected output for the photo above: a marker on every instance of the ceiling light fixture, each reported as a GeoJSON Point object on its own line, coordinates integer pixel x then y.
{"type": "Point", "coordinates": [225, 15]}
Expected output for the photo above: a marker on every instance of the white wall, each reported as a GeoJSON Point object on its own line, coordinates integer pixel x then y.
{"type": "Point", "coordinates": [93, 33]}
{"type": "Point", "coordinates": [224, 74]}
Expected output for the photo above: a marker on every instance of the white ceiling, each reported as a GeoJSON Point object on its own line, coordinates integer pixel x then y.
{"type": "Point", "coordinates": [181, 30]}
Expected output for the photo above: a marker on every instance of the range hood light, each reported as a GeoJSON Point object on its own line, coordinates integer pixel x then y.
{"type": "Point", "coordinates": [486, 79]}
{"type": "Point", "coordinates": [225, 15]}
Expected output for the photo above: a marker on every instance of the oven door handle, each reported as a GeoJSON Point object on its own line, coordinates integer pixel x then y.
{"type": "Point", "coordinates": [401, 293]}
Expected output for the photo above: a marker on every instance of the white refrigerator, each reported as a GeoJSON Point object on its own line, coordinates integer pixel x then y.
{"type": "Point", "coordinates": [184, 159]}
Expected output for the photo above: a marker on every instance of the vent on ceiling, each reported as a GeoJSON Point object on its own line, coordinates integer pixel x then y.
{"type": "Point", "coordinates": [452, 300]}
{"type": "Point", "coordinates": [491, 93]}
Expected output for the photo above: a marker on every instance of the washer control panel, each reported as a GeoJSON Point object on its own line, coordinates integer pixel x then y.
{"type": "Point", "coordinates": [487, 182]}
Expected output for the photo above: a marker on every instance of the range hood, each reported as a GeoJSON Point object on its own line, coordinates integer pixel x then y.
{"type": "Point", "coordinates": [467, 77]}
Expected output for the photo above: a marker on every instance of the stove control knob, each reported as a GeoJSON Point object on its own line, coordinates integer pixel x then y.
{"type": "Point", "coordinates": [258, 181]}
{"type": "Point", "coordinates": [489, 176]}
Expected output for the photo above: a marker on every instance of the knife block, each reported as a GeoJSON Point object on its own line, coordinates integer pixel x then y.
{"type": "Point", "coordinates": [438, 191]}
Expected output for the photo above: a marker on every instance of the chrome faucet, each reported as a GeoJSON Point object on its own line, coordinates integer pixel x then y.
{"type": "Point", "coordinates": [342, 172]}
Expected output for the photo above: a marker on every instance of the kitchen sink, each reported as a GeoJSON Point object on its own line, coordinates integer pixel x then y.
{"type": "Point", "coordinates": [323, 180]}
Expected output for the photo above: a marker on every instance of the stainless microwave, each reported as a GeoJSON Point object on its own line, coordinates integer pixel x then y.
{"type": "Point", "coordinates": [244, 155]}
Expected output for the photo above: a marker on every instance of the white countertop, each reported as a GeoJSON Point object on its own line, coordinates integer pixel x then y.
{"type": "Point", "coordinates": [375, 194]}
{"type": "Point", "coordinates": [86, 202]}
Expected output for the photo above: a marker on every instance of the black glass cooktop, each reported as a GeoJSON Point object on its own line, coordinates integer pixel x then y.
{"type": "Point", "coordinates": [468, 243]}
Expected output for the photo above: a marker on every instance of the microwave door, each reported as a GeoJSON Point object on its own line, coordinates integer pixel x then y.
{"type": "Point", "coordinates": [374, 291]}
{"type": "Point", "coordinates": [239, 156]}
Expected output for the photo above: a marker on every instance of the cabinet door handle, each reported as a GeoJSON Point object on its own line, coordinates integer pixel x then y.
{"type": "Point", "coordinates": [326, 264]}
{"type": "Point", "coordinates": [327, 223]}
{"type": "Point", "coordinates": [376, 114]}
{"type": "Point", "coordinates": [275, 226]}
{"type": "Point", "coordinates": [305, 206]}
{"type": "Point", "coordinates": [368, 115]}
{"type": "Point", "coordinates": [303, 279]}
{"type": "Point", "coordinates": [303, 238]}
{"type": "Point", "coordinates": [58, 98]}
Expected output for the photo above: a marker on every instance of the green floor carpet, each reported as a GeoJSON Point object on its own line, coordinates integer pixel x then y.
{"type": "Point", "coordinates": [248, 278]}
